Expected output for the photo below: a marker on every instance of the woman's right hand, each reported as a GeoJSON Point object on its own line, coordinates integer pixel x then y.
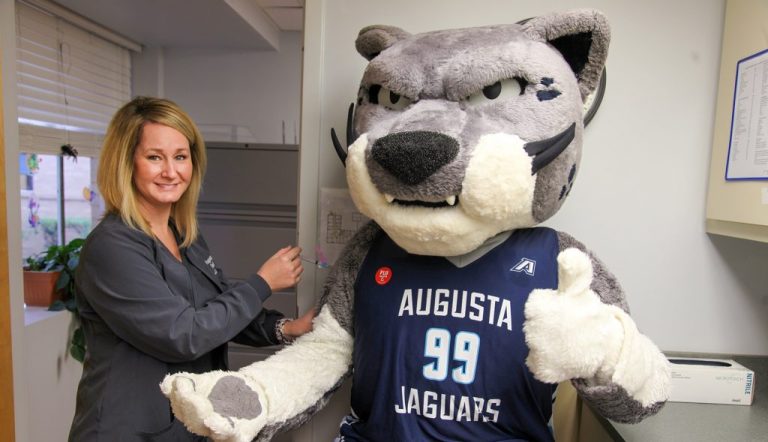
{"type": "Point", "coordinates": [283, 269]}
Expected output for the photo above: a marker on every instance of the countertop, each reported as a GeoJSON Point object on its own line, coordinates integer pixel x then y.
{"type": "Point", "coordinates": [681, 421]}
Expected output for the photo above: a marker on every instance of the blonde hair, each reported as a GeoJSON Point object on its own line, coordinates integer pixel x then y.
{"type": "Point", "coordinates": [115, 175]}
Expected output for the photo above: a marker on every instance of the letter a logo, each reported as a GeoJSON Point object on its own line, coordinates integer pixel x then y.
{"type": "Point", "coordinates": [525, 265]}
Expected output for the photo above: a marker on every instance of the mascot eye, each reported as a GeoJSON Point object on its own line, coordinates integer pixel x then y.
{"type": "Point", "coordinates": [508, 88]}
{"type": "Point", "coordinates": [385, 97]}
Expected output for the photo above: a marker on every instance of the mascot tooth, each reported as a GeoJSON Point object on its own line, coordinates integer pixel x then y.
{"type": "Point", "coordinates": [454, 314]}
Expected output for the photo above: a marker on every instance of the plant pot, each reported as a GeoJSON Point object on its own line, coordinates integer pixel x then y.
{"type": "Point", "coordinates": [40, 288]}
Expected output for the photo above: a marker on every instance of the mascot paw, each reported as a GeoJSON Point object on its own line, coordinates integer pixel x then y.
{"type": "Point", "coordinates": [569, 331]}
{"type": "Point", "coordinates": [226, 407]}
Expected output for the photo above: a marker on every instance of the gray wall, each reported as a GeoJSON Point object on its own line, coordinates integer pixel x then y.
{"type": "Point", "coordinates": [256, 93]}
{"type": "Point", "coordinates": [239, 97]}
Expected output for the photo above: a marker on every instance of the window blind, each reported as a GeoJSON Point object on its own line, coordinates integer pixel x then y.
{"type": "Point", "coordinates": [69, 83]}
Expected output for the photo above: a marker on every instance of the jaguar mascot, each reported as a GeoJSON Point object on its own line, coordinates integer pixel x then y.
{"type": "Point", "coordinates": [453, 313]}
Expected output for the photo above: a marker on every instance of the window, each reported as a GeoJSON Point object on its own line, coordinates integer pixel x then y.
{"type": "Point", "coordinates": [70, 83]}
{"type": "Point", "coordinates": [42, 200]}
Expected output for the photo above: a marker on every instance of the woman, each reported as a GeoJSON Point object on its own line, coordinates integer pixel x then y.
{"type": "Point", "coordinates": [151, 299]}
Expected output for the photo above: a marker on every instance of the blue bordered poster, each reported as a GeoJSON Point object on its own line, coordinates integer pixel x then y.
{"type": "Point", "coordinates": [748, 145]}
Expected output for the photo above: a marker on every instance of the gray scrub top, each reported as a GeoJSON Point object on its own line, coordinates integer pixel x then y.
{"type": "Point", "coordinates": [144, 315]}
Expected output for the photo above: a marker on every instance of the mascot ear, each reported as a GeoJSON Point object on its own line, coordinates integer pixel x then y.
{"type": "Point", "coordinates": [582, 38]}
{"type": "Point", "coordinates": [373, 39]}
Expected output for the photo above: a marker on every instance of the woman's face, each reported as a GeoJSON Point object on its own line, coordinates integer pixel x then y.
{"type": "Point", "coordinates": [162, 166]}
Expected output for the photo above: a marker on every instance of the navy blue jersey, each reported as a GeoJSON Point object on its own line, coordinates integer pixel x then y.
{"type": "Point", "coordinates": [440, 352]}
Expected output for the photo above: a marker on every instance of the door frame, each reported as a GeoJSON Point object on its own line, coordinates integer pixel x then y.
{"type": "Point", "coordinates": [7, 416]}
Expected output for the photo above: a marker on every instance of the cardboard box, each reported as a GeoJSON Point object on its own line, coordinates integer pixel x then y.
{"type": "Point", "coordinates": [711, 381]}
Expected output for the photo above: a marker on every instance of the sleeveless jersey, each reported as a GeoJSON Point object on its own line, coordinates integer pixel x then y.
{"type": "Point", "coordinates": [439, 351]}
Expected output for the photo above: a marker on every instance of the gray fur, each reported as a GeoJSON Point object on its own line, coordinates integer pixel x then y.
{"type": "Point", "coordinates": [604, 283]}
{"type": "Point", "coordinates": [338, 294]}
{"type": "Point", "coordinates": [549, 183]}
{"type": "Point", "coordinates": [613, 402]}
{"type": "Point", "coordinates": [373, 39]}
{"type": "Point", "coordinates": [231, 397]}
{"type": "Point", "coordinates": [555, 25]}
{"type": "Point", "coordinates": [268, 432]}
{"type": "Point", "coordinates": [438, 70]}
{"type": "Point", "coordinates": [339, 288]}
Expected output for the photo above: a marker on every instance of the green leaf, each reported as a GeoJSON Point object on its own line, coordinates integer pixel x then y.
{"type": "Point", "coordinates": [75, 244]}
{"type": "Point", "coordinates": [77, 347]}
{"type": "Point", "coordinates": [56, 306]}
{"type": "Point", "coordinates": [71, 305]}
{"type": "Point", "coordinates": [51, 253]}
{"type": "Point", "coordinates": [77, 352]}
{"type": "Point", "coordinates": [63, 281]}
{"type": "Point", "coordinates": [49, 267]}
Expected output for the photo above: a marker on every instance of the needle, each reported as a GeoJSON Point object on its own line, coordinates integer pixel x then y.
{"type": "Point", "coordinates": [319, 264]}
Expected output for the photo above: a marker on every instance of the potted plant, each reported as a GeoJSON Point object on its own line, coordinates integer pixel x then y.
{"type": "Point", "coordinates": [57, 264]}
{"type": "Point", "coordinates": [40, 282]}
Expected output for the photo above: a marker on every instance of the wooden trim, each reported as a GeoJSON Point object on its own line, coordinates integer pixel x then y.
{"type": "Point", "coordinates": [754, 232]}
{"type": "Point", "coordinates": [7, 418]}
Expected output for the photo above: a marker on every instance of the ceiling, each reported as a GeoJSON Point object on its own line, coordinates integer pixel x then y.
{"type": "Point", "coordinates": [202, 24]}
{"type": "Point", "coordinates": [287, 14]}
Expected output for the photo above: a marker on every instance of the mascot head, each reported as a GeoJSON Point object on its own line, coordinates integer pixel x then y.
{"type": "Point", "coordinates": [462, 134]}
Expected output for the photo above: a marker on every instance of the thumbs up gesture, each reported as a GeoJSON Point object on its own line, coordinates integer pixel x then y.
{"type": "Point", "coordinates": [569, 331]}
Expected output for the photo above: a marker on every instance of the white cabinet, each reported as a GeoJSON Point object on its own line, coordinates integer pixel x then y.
{"type": "Point", "coordinates": [737, 208]}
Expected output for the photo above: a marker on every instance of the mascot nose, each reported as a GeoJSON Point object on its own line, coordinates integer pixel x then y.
{"type": "Point", "coordinates": [414, 156]}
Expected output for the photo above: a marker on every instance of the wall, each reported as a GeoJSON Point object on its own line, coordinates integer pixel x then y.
{"type": "Point", "coordinates": [248, 93]}
{"type": "Point", "coordinates": [639, 199]}
{"type": "Point", "coordinates": [53, 375]}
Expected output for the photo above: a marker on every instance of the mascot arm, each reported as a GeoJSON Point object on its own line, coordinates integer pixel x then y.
{"type": "Point", "coordinates": [338, 295]}
{"type": "Point", "coordinates": [285, 390]}
{"type": "Point", "coordinates": [582, 331]}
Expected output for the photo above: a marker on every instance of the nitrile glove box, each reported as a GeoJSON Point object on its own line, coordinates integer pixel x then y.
{"type": "Point", "coordinates": [711, 381]}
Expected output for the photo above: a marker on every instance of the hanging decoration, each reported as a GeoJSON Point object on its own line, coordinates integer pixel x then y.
{"type": "Point", "coordinates": [33, 219]}
{"type": "Point", "coordinates": [89, 194]}
{"type": "Point", "coordinates": [67, 150]}
{"type": "Point", "coordinates": [33, 163]}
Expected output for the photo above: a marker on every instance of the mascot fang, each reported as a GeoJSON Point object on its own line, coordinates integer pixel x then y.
{"type": "Point", "coordinates": [455, 316]}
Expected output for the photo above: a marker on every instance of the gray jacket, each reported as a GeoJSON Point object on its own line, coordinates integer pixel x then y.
{"type": "Point", "coordinates": [144, 315]}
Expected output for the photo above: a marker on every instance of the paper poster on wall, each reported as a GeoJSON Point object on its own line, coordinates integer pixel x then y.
{"type": "Point", "coordinates": [748, 146]}
{"type": "Point", "coordinates": [339, 220]}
